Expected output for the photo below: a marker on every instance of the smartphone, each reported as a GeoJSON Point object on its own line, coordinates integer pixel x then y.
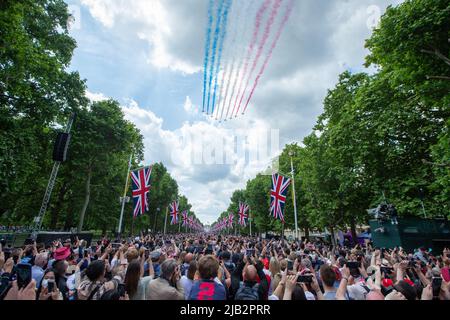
{"type": "Point", "coordinates": [304, 278]}
{"type": "Point", "coordinates": [23, 275]}
{"type": "Point", "coordinates": [250, 252]}
{"type": "Point", "coordinates": [353, 264]}
{"type": "Point", "coordinates": [116, 245]}
{"type": "Point", "coordinates": [51, 286]}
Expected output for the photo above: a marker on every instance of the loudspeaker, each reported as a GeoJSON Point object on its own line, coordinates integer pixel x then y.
{"type": "Point", "coordinates": [61, 146]}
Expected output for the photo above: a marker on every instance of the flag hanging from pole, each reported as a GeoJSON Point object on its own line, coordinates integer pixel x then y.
{"type": "Point", "coordinates": [184, 217]}
{"type": "Point", "coordinates": [140, 189]}
{"type": "Point", "coordinates": [230, 220]}
{"type": "Point", "coordinates": [278, 195]}
{"type": "Point", "coordinates": [174, 212]}
{"type": "Point", "coordinates": [243, 208]}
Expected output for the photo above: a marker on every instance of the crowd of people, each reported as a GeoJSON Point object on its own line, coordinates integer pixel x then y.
{"type": "Point", "coordinates": [215, 267]}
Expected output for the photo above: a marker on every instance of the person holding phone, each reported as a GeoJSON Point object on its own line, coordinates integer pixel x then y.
{"type": "Point", "coordinates": [47, 287]}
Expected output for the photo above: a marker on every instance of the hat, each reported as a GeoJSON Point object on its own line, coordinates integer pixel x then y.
{"type": "Point", "coordinates": [155, 255]}
{"type": "Point", "coordinates": [62, 253]}
{"type": "Point", "coordinates": [387, 283]}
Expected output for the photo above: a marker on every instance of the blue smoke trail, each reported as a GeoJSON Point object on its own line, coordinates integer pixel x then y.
{"type": "Point", "coordinates": [221, 41]}
{"type": "Point", "coordinates": [207, 46]}
{"type": "Point", "coordinates": [214, 47]}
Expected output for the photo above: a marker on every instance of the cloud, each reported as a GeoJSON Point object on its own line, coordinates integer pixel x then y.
{"type": "Point", "coordinates": [168, 26]}
{"type": "Point", "coordinates": [189, 107]}
{"type": "Point", "coordinates": [203, 157]}
{"type": "Point", "coordinates": [95, 97]}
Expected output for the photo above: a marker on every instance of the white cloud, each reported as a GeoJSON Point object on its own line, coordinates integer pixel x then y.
{"type": "Point", "coordinates": [95, 97]}
{"type": "Point", "coordinates": [189, 107]}
{"type": "Point", "coordinates": [209, 185]}
{"type": "Point", "coordinates": [158, 22]}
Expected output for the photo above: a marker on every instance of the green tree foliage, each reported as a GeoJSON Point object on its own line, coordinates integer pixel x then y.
{"type": "Point", "coordinates": [37, 95]}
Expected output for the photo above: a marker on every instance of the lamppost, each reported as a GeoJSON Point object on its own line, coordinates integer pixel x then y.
{"type": "Point", "coordinates": [291, 154]}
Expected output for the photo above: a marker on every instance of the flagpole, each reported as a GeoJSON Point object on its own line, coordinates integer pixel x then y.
{"type": "Point", "coordinates": [165, 220]}
{"type": "Point", "coordinates": [119, 230]}
{"type": "Point", "coordinates": [291, 153]}
{"type": "Point", "coordinates": [250, 221]}
{"type": "Point", "coordinates": [179, 225]}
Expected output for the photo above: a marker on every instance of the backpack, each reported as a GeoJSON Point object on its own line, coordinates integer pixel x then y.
{"type": "Point", "coordinates": [247, 293]}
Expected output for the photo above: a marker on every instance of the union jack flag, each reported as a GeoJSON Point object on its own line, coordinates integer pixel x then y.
{"type": "Point", "coordinates": [278, 195]}
{"type": "Point", "coordinates": [140, 189]}
{"type": "Point", "coordinates": [184, 217]}
{"type": "Point", "coordinates": [230, 220]}
{"type": "Point", "coordinates": [224, 222]}
{"type": "Point", "coordinates": [174, 212]}
{"type": "Point", "coordinates": [243, 208]}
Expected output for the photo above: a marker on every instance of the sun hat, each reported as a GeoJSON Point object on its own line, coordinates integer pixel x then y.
{"type": "Point", "coordinates": [62, 253]}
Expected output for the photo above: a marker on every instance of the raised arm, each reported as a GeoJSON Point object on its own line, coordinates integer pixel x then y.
{"type": "Point", "coordinates": [340, 293]}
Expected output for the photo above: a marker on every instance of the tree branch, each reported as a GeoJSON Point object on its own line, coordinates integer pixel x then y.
{"type": "Point", "coordinates": [443, 165]}
{"type": "Point", "coordinates": [438, 54]}
{"type": "Point", "coordinates": [438, 77]}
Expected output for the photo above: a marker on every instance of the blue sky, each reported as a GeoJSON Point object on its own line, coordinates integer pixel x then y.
{"type": "Point", "coordinates": [148, 55]}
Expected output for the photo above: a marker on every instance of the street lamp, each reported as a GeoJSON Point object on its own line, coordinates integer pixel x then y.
{"type": "Point", "coordinates": [291, 154]}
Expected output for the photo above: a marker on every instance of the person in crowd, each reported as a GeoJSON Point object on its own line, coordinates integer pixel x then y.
{"type": "Point", "coordinates": [47, 287]}
{"type": "Point", "coordinates": [249, 288]}
{"type": "Point", "coordinates": [187, 281]}
{"type": "Point", "coordinates": [207, 288]}
{"type": "Point", "coordinates": [219, 267]}
{"type": "Point", "coordinates": [135, 284]}
{"type": "Point", "coordinates": [38, 269]}
{"type": "Point", "coordinates": [94, 284]}
{"type": "Point", "coordinates": [168, 285]}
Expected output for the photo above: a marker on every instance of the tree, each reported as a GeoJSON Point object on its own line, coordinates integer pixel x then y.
{"type": "Point", "coordinates": [37, 93]}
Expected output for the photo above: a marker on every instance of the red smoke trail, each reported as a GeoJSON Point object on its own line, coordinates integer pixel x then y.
{"type": "Point", "coordinates": [274, 44]}
{"type": "Point", "coordinates": [227, 88]}
{"type": "Point", "coordinates": [273, 15]}
{"type": "Point", "coordinates": [234, 48]}
{"type": "Point", "coordinates": [259, 16]}
{"type": "Point", "coordinates": [234, 87]}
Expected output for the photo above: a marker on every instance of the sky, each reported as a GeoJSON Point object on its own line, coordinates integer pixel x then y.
{"type": "Point", "coordinates": [149, 55]}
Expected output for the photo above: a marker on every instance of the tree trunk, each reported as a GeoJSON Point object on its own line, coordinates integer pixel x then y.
{"type": "Point", "coordinates": [57, 208]}
{"type": "Point", "coordinates": [333, 238]}
{"type": "Point", "coordinates": [68, 224]}
{"type": "Point", "coordinates": [86, 199]}
{"type": "Point", "coordinates": [353, 230]}
{"type": "Point", "coordinates": [307, 233]}
{"type": "Point", "coordinates": [154, 221]}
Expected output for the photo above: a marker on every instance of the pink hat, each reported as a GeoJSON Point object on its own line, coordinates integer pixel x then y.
{"type": "Point", "coordinates": [387, 283]}
{"type": "Point", "coordinates": [62, 253]}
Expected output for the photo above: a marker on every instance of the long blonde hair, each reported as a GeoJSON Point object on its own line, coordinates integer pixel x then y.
{"type": "Point", "coordinates": [274, 266]}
